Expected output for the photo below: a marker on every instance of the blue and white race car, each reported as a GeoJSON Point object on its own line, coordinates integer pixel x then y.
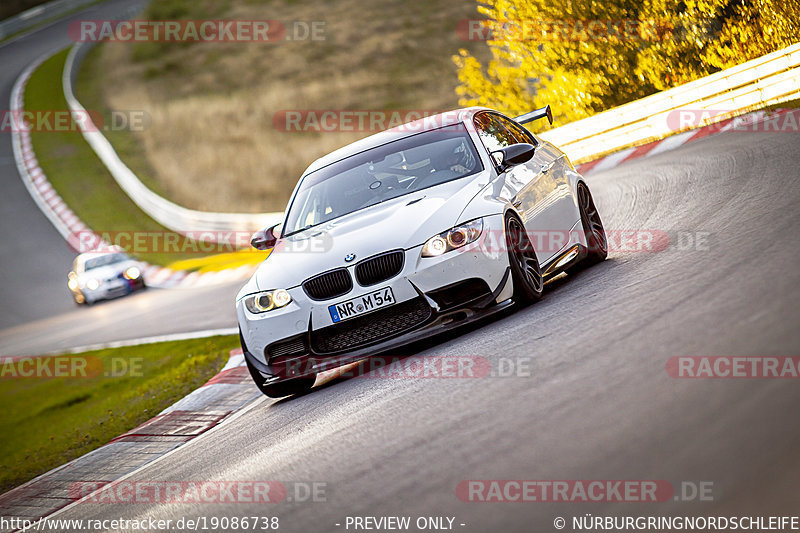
{"type": "Point", "coordinates": [101, 276]}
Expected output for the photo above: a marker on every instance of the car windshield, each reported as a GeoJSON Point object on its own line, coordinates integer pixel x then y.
{"type": "Point", "coordinates": [394, 169]}
{"type": "Point", "coordinates": [104, 260]}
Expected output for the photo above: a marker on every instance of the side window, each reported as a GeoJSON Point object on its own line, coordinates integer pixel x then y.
{"type": "Point", "coordinates": [493, 134]}
{"type": "Point", "coordinates": [520, 134]}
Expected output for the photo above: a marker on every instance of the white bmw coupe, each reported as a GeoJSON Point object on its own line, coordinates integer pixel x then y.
{"type": "Point", "coordinates": [408, 233]}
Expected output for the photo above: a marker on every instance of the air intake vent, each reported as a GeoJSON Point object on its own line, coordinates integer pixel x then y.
{"type": "Point", "coordinates": [293, 346]}
{"type": "Point", "coordinates": [461, 293]}
{"type": "Point", "coordinates": [374, 327]}
{"type": "Point", "coordinates": [379, 268]}
{"type": "Point", "coordinates": [328, 285]}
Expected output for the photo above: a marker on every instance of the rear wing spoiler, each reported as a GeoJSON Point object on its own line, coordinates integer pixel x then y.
{"type": "Point", "coordinates": [536, 114]}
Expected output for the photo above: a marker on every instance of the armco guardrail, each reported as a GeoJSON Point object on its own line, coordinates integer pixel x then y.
{"type": "Point", "coordinates": [168, 214]}
{"type": "Point", "coordinates": [758, 83]}
{"type": "Point", "coordinates": [765, 81]}
{"type": "Point", "coordinates": [39, 14]}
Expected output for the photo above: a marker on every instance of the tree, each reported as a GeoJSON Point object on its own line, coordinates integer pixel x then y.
{"type": "Point", "coordinates": [585, 56]}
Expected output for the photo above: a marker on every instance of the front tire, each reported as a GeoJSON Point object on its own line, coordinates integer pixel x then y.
{"type": "Point", "coordinates": [284, 387]}
{"type": "Point", "coordinates": [525, 269]}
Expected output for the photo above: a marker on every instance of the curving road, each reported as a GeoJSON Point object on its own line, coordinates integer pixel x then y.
{"type": "Point", "coordinates": [598, 403]}
{"type": "Point", "coordinates": [34, 258]}
{"type": "Point", "coordinates": [37, 313]}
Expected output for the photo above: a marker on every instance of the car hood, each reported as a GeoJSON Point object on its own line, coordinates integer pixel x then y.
{"type": "Point", "coordinates": [108, 271]}
{"type": "Point", "coordinates": [403, 222]}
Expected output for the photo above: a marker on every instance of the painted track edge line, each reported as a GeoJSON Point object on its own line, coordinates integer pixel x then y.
{"type": "Point", "coordinates": [188, 335]}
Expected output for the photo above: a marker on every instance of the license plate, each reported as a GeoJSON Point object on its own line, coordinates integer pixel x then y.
{"type": "Point", "coordinates": [361, 305]}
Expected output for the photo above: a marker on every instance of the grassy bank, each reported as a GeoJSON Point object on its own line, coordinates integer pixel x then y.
{"type": "Point", "coordinates": [80, 177]}
{"type": "Point", "coordinates": [212, 143]}
{"type": "Point", "coordinates": [46, 422]}
{"type": "Point", "coordinates": [88, 91]}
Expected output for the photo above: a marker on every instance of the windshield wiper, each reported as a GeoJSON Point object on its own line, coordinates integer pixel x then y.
{"type": "Point", "coordinates": [301, 229]}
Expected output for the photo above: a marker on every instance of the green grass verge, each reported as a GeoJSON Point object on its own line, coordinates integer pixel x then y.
{"type": "Point", "coordinates": [46, 422]}
{"type": "Point", "coordinates": [80, 177]}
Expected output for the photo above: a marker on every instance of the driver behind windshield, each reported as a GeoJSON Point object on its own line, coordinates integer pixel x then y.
{"type": "Point", "coordinates": [382, 173]}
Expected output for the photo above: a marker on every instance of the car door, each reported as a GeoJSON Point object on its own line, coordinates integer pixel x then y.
{"type": "Point", "coordinates": [534, 188]}
{"type": "Point", "coordinates": [495, 136]}
{"type": "Point", "coordinates": [545, 199]}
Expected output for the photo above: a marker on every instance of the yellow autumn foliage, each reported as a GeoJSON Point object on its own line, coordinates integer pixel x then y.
{"type": "Point", "coordinates": [584, 56]}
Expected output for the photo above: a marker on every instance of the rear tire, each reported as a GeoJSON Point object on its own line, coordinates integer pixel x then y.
{"type": "Point", "coordinates": [596, 242]}
{"type": "Point", "coordinates": [525, 269]}
{"type": "Point", "coordinates": [285, 387]}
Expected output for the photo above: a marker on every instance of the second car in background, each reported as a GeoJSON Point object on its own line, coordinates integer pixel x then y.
{"type": "Point", "coordinates": [100, 276]}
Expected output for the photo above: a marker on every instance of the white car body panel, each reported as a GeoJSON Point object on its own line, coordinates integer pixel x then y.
{"type": "Point", "coordinates": [542, 192]}
{"type": "Point", "coordinates": [369, 231]}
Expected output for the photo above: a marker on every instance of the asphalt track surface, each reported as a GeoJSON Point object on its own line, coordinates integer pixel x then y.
{"type": "Point", "coordinates": [598, 403]}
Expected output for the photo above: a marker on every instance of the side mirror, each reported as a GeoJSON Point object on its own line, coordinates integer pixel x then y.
{"type": "Point", "coordinates": [264, 239]}
{"type": "Point", "coordinates": [513, 155]}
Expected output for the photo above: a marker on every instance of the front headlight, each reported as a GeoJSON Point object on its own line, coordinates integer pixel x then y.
{"type": "Point", "coordinates": [267, 301]}
{"type": "Point", "coordinates": [92, 284]}
{"type": "Point", "coordinates": [452, 239]}
{"type": "Point", "coordinates": [132, 273]}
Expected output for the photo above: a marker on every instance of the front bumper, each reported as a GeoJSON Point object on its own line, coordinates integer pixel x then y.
{"type": "Point", "coordinates": [432, 295]}
{"type": "Point", "coordinates": [112, 289]}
